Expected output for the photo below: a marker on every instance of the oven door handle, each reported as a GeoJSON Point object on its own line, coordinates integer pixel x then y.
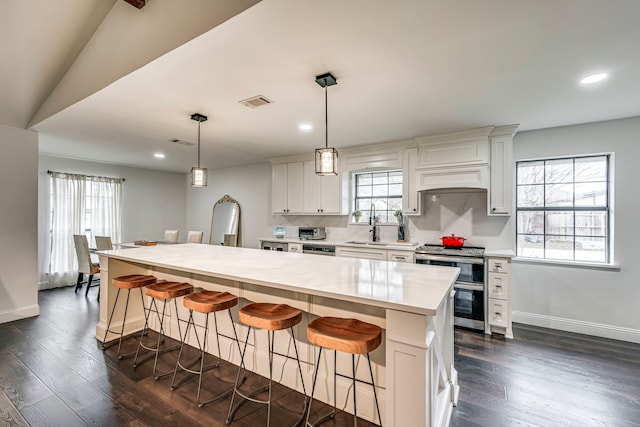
{"type": "Point", "coordinates": [461, 260]}
{"type": "Point", "coordinates": [469, 286]}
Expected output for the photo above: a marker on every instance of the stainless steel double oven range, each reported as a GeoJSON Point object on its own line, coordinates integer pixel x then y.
{"type": "Point", "coordinates": [469, 302]}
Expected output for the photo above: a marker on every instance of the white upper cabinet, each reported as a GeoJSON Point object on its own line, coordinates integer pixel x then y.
{"type": "Point", "coordinates": [411, 198]}
{"type": "Point", "coordinates": [321, 193]}
{"type": "Point", "coordinates": [287, 188]}
{"type": "Point", "coordinates": [501, 176]}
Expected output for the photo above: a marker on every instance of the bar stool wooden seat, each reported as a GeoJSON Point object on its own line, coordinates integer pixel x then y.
{"type": "Point", "coordinates": [164, 291]}
{"type": "Point", "coordinates": [270, 317]}
{"type": "Point", "coordinates": [350, 336]}
{"type": "Point", "coordinates": [206, 302]}
{"type": "Point", "coordinates": [129, 282]}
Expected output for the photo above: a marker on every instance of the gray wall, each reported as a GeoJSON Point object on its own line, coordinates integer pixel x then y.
{"type": "Point", "coordinates": [249, 185]}
{"type": "Point", "coordinates": [596, 301]}
{"type": "Point", "coordinates": [152, 201]}
{"type": "Point", "coordinates": [18, 223]}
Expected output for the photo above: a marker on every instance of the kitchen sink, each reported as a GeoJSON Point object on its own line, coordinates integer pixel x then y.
{"type": "Point", "coordinates": [360, 242]}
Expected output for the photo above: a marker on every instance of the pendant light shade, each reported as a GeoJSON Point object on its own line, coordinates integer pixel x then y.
{"type": "Point", "coordinates": [198, 174]}
{"type": "Point", "coordinates": [327, 157]}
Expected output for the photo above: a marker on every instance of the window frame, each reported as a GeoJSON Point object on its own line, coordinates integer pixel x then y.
{"type": "Point", "coordinates": [607, 209]}
{"type": "Point", "coordinates": [355, 198]}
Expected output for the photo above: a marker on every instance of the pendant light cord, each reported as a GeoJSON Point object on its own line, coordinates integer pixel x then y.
{"type": "Point", "coordinates": [198, 144]}
{"type": "Point", "coordinates": [326, 119]}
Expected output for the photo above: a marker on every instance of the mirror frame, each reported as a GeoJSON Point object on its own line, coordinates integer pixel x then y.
{"type": "Point", "coordinates": [227, 199]}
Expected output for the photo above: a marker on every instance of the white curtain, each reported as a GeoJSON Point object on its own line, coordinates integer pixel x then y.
{"type": "Point", "coordinates": [106, 209]}
{"type": "Point", "coordinates": [80, 205]}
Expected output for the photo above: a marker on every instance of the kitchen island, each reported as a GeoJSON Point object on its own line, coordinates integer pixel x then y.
{"type": "Point", "coordinates": [413, 368]}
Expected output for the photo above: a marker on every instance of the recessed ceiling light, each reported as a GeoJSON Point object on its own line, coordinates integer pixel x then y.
{"type": "Point", "coordinates": [594, 78]}
{"type": "Point", "coordinates": [305, 127]}
{"type": "Point", "coordinates": [158, 155]}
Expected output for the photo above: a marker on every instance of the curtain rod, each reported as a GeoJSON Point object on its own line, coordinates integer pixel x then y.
{"type": "Point", "coordinates": [50, 172]}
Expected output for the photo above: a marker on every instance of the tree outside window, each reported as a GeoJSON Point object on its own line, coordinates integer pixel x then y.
{"type": "Point", "coordinates": [563, 210]}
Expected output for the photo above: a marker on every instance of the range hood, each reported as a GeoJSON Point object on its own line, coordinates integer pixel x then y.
{"type": "Point", "coordinates": [457, 177]}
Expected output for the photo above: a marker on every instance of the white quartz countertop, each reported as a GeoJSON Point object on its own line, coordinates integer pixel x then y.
{"type": "Point", "coordinates": [407, 287]}
{"type": "Point", "coordinates": [506, 253]}
{"type": "Point", "coordinates": [408, 246]}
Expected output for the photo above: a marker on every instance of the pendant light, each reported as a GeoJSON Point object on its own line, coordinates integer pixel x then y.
{"type": "Point", "coordinates": [198, 174]}
{"type": "Point", "coordinates": [327, 157]}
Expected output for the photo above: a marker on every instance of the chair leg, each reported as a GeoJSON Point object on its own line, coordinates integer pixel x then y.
{"type": "Point", "coordinates": [78, 283]}
{"type": "Point", "coordinates": [86, 293]}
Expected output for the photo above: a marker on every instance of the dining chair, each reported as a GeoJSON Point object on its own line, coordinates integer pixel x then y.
{"type": "Point", "coordinates": [171, 236]}
{"type": "Point", "coordinates": [85, 265]}
{"type": "Point", "coordinates": [103, 243]}
{"type": "Point", "coordinates": [195, 237]}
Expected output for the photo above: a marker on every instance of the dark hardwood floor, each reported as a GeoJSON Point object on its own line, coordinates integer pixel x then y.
{"type": "Point", "coordinates": [54, 373]}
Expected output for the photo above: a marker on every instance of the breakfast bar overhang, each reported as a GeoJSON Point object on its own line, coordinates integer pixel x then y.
{"type": "Point", "coordinates": [415, 376]}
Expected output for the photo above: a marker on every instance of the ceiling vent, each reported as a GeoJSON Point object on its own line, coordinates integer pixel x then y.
{"type": "Point", "coordinates": [181, 142]}
{"type": "Point", "coordinates": [256, 101]}
{"type": "Point", "coordinates": [136, 3]}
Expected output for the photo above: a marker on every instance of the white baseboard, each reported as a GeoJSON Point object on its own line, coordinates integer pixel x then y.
{"type": "Point", "coordinates": [19, 313]}
{"type": "Point", "coordinates": [578, 326]}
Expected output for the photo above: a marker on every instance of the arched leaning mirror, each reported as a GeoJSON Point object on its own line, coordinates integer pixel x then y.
{"type": "Point", "coordinates": [225, 220]}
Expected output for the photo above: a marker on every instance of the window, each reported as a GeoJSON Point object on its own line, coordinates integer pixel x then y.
{"type": "Point", "coordinates": [563, 208]}
{"type": "Point", "coordinates": [380, 191]}
{"type": "Point", "coordinates": [80, 204]}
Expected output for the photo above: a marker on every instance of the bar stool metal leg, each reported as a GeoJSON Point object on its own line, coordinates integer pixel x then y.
{"type": "Point", "coordinates": [108, 330]}
{"type": "Point", "coordinates": [349, 336]}
{"type": "Point", "coordinates": [249, 396]}
{"type": "Point", "coordinates": [202, 346]}
{"type": "Point", "coordinates": [154, 352]}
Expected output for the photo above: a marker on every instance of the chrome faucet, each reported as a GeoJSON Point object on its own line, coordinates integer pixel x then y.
{"type": "Point", "coordinates": [373, 221]}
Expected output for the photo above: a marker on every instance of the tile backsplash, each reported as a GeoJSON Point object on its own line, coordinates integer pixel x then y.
{"type": "Point", "coordinates": [460, 213]}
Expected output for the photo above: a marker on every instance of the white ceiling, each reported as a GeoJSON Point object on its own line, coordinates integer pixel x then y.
{"type": "Point", "coordinates": [405, 69]}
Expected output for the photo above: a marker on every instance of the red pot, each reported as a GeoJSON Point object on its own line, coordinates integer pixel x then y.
{"type": "Point", "coordinates": [453, 241]}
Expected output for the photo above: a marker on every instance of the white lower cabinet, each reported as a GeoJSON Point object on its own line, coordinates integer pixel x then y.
{"type": "Point", "coordinates": [364, 253]}
{"type": "Point", "coordinates": [295, 247]}
{"type": "Point", "coordinates": [401, 256]}
{"type": "Point", "coordinates": [498, 298]}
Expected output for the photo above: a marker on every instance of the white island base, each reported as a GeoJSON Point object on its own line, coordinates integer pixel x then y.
{"type": "Point", "coordinates": [413, 368]}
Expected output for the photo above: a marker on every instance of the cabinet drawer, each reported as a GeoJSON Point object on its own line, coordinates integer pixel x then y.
{"type": "Point", "coordinates": [498, 285]}
{"type": "Point", "coordinates": [400, 256]}
{"type": "Point", "coordinates": [498, 265]}
{"type": "Point", "coordinates": [498, 312]}
{"type": "Point", "coordinates": [374, 254]}
{"type": "Point", "coordinates": [295, 247]}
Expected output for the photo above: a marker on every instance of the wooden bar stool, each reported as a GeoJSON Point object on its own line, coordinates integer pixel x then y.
{"type": "Point", "coordinates": [205, 302]}
{"type": "Point", "coordinates": [272, 317]}
{"type": "Point", "coordinates": [132, 281]}
{"type": "Point", "coordinates": [164, 291]}
{"type": "Point", "coordinates": [348, 336]}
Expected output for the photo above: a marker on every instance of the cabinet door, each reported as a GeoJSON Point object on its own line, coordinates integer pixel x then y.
{"type": "Point", "coordinates": [295, 178]}
{"type": "Point", "coordinates": [330, 194]}
{"type": "Point", "coordinates": [279, 188]}
{"type": "Point", "coordinates": [500, 176]}
{"type": "Point", "coordinates": [321, 193]}
{"type": "Point", "coordinates": [410, 195]}
{"type": "Point", "coordinates": [312, 188]}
